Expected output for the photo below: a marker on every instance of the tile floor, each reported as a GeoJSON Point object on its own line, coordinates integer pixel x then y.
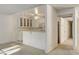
{"type": "Point", "coordinates": [65, 49]}
{"type": "Point", "coordinates": [20, 49]}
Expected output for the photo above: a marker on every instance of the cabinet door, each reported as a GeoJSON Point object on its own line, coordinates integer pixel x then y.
{"type": "Point", "coordinates": [21, 22]}
{"type": "Point", "coordinates": [25, 22]}
{"type": "Point", "coordinates": [27, 37]}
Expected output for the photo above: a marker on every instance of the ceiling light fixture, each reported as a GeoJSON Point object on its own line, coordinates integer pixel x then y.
{"type": "Point", "coordinates": [36, 10]}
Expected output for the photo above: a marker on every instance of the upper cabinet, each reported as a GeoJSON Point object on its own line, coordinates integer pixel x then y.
{"type": "Point", "coordinates": [32, 19]}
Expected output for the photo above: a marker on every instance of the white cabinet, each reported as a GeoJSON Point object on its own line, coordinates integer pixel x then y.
{"type": "Point", "coordinates": [34, 39]}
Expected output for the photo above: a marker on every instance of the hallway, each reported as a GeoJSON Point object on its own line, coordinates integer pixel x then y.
{"type": "Point", "coordinates": [65, 49]}
{"type": "Point", "coordinates": [67, 44]}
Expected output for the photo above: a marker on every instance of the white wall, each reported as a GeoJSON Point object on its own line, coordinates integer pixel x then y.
{"type": "Point", "coordinates": [75, 27]}
{"type": "Point", "coordinates": [78, 31]}
{"type": "Point", "coordinates": [51, 28]}
{"type": "Point", "coordinates": [16, 17]}
{"type": "Point", "coordinates": [76, 41]}
{"type": "Point", "coordinates": [78, 27]}
{"type": "Point", "coordinates": [6, 29]}
{"type": "Point", "coordinates": [65, 12]}
{"type": "Point", "coordinates": [64, 30]}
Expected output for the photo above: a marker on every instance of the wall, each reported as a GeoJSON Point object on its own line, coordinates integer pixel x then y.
{"type": "Point", "coordinates": [64, 30]}
{"type": "Point", "coordinates": [51, 28]}
{"type": "Point", "coordinates": [69, 27]}
{"type": "Point", "coordinates": [16, 18]}
{"type": "Point", "coordinates": [75, 28]}
{"type": "Point", "coordinates": [65, 12]}
{"type": "Point", "coordinates": [77, 10]}
{"type": "Point", "coordinates": [78, 27]}
{"type": "Point", "coordinates": [78, 32]}
{"type": "Point", "coordinates": [6, 29]}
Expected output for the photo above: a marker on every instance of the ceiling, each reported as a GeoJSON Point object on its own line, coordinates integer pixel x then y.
{"type": "Point", "coordinates": [13, 8]}
{"type": "Point", "coordinates": [64, 6]}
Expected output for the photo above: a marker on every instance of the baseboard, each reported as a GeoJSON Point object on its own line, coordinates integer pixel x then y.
{"type": "Point", "coordinates": [48, 51]}
{"type": "Point", "coordinates": [33, 46]}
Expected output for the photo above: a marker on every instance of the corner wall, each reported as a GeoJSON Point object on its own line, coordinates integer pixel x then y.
{"type": "Point", "coordinates": [7, 33]}
{"type": "Point", "coordinates": [75, 28]}
{"type": "Point", "coordinates": [51, 28]}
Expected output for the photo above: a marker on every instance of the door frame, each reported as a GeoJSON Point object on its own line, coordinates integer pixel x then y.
{"type": "Point", "coordinates": [73, 30]}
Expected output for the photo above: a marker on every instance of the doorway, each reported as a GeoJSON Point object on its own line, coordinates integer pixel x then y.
{"type": "Point", "coordinates": [70, 29]}
{"type": "Point", "coordinates": [65, 32]}
{"type": "Point", "coordinates": [58, 32]}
